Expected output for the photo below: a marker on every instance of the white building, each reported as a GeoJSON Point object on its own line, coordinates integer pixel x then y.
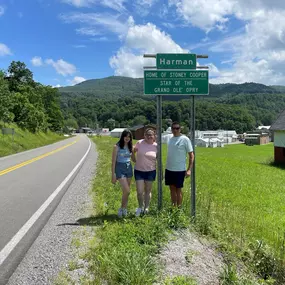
{"type": "Point", "coordinates": [263, 127]}
{"type": "Point", "coordinates": [116, 133]}
{"type": "Point", "coordinates": [202, 142]}
{"type": "Point", "coordinates": [222, 135]}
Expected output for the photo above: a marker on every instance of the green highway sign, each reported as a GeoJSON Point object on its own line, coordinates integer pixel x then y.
{"type": "Point", "coordinates": [175, 61]}
{"type": "Point", "coordinates": [176, 82]}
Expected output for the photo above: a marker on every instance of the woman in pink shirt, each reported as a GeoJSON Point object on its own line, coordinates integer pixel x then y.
{"type": "Point", "coordinates": [145, 169]}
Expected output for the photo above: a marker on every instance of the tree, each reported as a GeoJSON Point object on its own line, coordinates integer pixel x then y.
{"type": "Point", "coordinates": [139, 120]}
{"type": "Point", "coordinates": [111, 123]}
{"type": "Point", "coordinates": [71, 123]}
{"type": "Point", "coordinates": [19, 74]}
{"type": "Point", "coordinates": [51, 102]}
{"type": "Point", "coordinates": [6, 100]}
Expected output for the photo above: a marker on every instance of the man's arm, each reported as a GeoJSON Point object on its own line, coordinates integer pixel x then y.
{"type": "Point", "coordinates": [190, 163]}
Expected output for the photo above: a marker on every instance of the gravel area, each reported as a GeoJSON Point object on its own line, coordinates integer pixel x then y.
{"type": "Point", "coordinates": [189, 255]}
{"type": "Point", "coordinates": [52, 250]}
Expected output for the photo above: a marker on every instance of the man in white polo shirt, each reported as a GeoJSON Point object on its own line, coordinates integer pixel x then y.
{"type": "Point", "coordinates": [179, 146]}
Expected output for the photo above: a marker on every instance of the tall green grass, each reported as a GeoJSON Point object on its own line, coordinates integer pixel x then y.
{"type": "Point", "coordinates": [123, 251]}
{"type": "Point", "coordinates": [244, 192]}
{"type": "Point", "coordinates": [240, 202]}
{"type": "Point", "coordinates": [24, 140]}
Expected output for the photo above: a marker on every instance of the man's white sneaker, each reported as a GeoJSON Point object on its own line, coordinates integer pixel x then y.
{"type": "Point", "coordinates": [146, 210]}
{"type": "Point", "coordinates": [139, 211]}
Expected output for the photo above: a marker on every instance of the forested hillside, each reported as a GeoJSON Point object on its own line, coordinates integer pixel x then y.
{"type": "Point", "coordinates": [27, 103]}
{"type": "Point", "coordinates": [119, 101]}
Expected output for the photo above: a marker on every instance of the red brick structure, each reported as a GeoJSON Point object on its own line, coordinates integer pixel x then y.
{"type": "Point", "coordinates": [279, 138]}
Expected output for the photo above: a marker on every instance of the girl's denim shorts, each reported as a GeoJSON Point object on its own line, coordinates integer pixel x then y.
{"type": "Point", "coordinates": [123, 169]}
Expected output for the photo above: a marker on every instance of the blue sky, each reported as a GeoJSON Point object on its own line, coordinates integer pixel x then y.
{"type": "Point", "coordinates": [67, 41]}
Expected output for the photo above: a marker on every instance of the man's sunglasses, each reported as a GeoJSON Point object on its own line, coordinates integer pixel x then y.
{"type": "Point", "coordinates": [175, 128]}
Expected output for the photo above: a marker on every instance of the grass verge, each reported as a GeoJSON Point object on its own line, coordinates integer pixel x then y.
{"type": "Point", "coordinates": [240, 203]}
{"type": "Point", "coordinates": [123, 250]}
{"type": "Point", "coordinates": [25, 140]}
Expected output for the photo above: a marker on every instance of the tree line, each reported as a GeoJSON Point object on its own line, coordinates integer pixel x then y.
{"type": "Point", "coordinates": [27, 103]}
{"type": "Point", "coordinates": [87, 110]}
{"type": "Point", "coordinates": [242, 112]}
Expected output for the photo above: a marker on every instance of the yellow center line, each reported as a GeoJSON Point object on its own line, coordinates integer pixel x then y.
{"type": "Point", "coordinates": [12, 168]}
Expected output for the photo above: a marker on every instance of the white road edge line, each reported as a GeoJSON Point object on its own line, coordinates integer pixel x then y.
{"type": "Point", "coordinates": [26, 227]}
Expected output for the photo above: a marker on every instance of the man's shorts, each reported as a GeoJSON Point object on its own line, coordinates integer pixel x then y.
{"type": "Point", "coordinates": [175, 178]}
{"type": "Point", "coordinates": [123, 170]}
{"type": "Point", "coordinates": [145, 175]}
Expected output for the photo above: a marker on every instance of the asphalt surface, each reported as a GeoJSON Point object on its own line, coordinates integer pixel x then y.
{"type": "Point", "coordinates": [27, 180]}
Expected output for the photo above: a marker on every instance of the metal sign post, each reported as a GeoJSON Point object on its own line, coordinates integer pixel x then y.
{"type": "Point", "coordinates": [159, 152]}
{"type": "Point", "coordinates": [193, 171]}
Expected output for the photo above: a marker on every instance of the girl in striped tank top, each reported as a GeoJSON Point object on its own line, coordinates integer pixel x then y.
{"type": "Point", "coordinates": [122, 168]}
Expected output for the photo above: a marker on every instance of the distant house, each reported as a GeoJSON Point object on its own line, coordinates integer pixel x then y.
{"type": "Point", "coordinates": [116, 133]}
{"type": "Point", "coordinates": [279, 138]}
{"type": "Point", "coordinates": [202, 142]}
{"type": "Point", "coordinates": [256, 138]}
{"type": "Point", "coordinates": [209, 142]}
{"type": "Point", "coordinates": [138, 131]}
{"type": "Point", "coordinates": [84, 130]}
{"type": "Point", "coordinates": [228, 136]}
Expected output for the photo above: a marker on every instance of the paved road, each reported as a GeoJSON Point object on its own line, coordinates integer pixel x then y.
{"type": "Point", "coordinates": [31, 185]}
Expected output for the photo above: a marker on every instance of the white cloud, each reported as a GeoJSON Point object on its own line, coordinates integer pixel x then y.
{"type": "Point", "coordinates": [62, 67]}
{"type": "Point", "coordinates": [4, 50]}
{"type": "Point", "coordinates": [141, 39]}
{"type": "Point", "coordinates": [205, 14]}
{"type": "Point", "coordinates": [148, 38]}
{"type": "Point", "coordinates": [77, 80]}
{"type": "Point", "coordinates": [2, 11]}
{"type": "Point", "coordinates": [125, 63]}
{"type": "Point", "coordinates": [88, 31]}
{"type": "Point", "coordinates": [96, 23]}
{"type": "Point", "coordinates": [37, 61]}
{"type": "Point", "coordinates": [56, 86]}
{"type": "Point", "coordinates": [143, 6]}
{"type": "Point", "coordinates": [116, 5]}
{"type": "Point", "coordinates": [101, 39]}
{"type": "Point", "coordinates": [258, 52]}
{"type": "Point", "coordinates": [255, 52]}
{"type": "Point", "coordinates": [79, 3]}
{"type": "Point", "coordinates": [79, 46]}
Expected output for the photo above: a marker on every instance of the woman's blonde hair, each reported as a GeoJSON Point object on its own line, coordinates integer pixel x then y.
{"type": "Point", "coordinates": [148, 130]}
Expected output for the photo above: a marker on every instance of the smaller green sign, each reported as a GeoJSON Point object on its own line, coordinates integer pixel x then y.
{"type": "Point", "coordinates": [8, 131]}
{"type": "Point", "coordinates": [175, 61]}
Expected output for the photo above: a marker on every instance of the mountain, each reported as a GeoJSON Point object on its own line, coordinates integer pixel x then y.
{"type": "Point", "coordinates": [119, 86]}
{"type": "Point", "coordinates": [116, 86]}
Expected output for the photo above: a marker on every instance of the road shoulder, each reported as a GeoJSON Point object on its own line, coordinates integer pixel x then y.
{"type": "Point", "coordinates": [52, 249]}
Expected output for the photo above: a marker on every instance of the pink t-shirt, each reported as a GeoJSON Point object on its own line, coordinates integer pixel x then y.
{"type": "Point", "coordinates": [146, 156]}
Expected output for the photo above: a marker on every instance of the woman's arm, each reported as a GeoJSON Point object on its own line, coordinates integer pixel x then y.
{"type": "Point", "coordinates": [133, 156]}
{"type": "Point", "coordinates": [114, 159]}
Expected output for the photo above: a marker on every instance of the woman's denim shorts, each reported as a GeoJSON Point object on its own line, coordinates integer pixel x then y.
{"type": "Point", "coordinates": [123, 170]}
{"type": "Point", "coordinates": [145, 175]}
